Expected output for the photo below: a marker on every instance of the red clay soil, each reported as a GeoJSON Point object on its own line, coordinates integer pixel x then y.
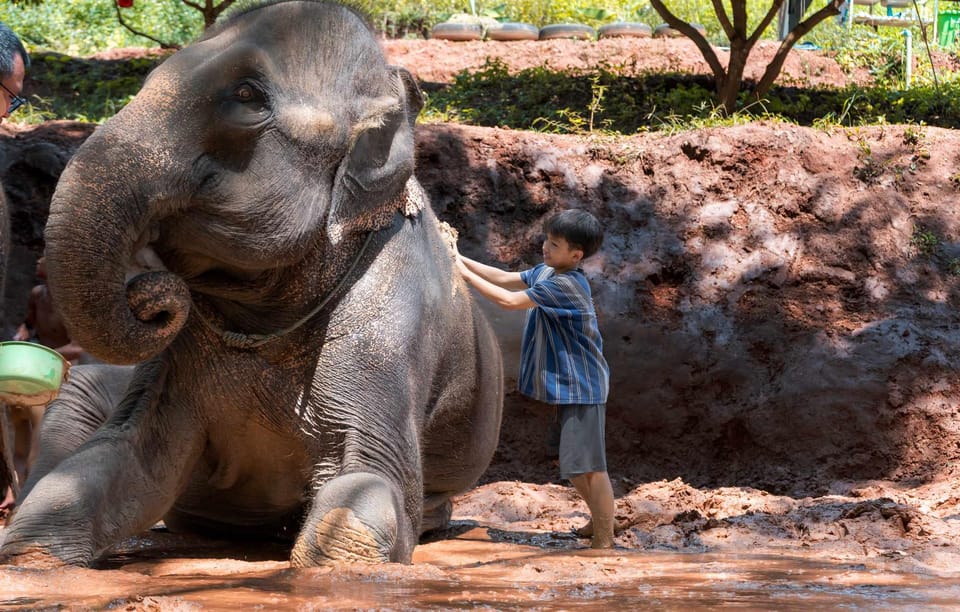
{"type": "Point", "coordinates": [438, 61]}
{"type": "Point", "coordinates": [779, 308]}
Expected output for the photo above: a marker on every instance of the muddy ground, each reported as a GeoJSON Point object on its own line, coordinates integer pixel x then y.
{"type": "Point", "coordinates": [779, 310]}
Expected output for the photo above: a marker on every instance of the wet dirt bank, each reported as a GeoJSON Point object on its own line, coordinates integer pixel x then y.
{"type": "Point", "coordinates": [487, 562]}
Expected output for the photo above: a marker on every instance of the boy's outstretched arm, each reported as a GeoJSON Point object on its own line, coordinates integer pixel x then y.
{"type": "Point", "coordinates": [498, 294]}
{"type": "Point", "coordinates": [500, 278]}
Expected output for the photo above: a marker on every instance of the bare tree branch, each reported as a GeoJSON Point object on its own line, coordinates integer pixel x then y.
{"type": "Point", "coordinates": [719, 73]}
{"type": "Point", "coordinates": [773, 68]}
{"type": "Point", "coordinates": [739, 8]}
{"type": "Point", "coordinates": [774, 9]}
{"type": "Point", "coordinates": [723, 18]}
{"type": "Point", "coordinates": [224, 5]}
{"type": "Point", "coordinates": [163, 45]}
{"type": "Point", "coordinates": [209, 11]}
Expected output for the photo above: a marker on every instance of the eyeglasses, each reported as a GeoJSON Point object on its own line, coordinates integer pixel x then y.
{"type": "Point", "coordinates": [15, 100]}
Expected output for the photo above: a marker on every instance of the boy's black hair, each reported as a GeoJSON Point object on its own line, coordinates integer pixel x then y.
{"type": "Point", "coordinates": [579, 228]}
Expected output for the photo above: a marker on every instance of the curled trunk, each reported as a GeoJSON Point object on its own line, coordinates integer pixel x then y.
{"type": "Point", "coordinates": [99, 216]}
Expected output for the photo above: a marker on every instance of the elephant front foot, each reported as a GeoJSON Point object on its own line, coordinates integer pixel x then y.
{"type": "Point", "coordinates": [32, 557]}
{"type": "Point", "coordinates": [355, 518]}
{"type": "Point", "coordinates": [28, 545]}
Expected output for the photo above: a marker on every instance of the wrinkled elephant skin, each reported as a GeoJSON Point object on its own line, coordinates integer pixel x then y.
{"type": "Point", "coordinates": [8, 471]}
{"type": "Point", "coordinates": [305, 362]}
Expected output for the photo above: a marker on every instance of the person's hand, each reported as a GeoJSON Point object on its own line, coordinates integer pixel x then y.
{"type": "Point", "coordinates": [449, 235]}
{"type": "Point", "coordinates": [22, 334]}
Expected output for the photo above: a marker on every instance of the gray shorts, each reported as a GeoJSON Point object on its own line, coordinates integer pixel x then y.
{"type": "Point", "coordinates": [582, 433]}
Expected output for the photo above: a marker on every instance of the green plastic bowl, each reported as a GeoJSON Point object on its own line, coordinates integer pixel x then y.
{"type": "Point", "coordinates": [30, 373]}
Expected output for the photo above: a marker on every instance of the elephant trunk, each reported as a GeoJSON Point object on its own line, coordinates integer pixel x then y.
{"type": "Point", "coordinates": [100, 214]}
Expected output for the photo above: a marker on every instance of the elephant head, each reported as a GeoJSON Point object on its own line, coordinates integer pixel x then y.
{"type": "Point", "coordinates": [245, 157]}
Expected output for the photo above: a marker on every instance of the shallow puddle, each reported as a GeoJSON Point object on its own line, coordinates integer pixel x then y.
{"type": "Point", "coordinates": [473, 566]}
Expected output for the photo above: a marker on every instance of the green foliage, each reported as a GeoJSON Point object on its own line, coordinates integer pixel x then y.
{"type": "Point", "coordinates": [605, 98]}
{"type": "Point", "coordinates": [925, 241]}
{"type": "Point", "coordinates": [563, 100]}
{"type": "Point", "coordinates": [83, 90]}
{"type": "Point", "coordinates": [930, 244]}
{"type": "Point", "coordinates": [83, 27]}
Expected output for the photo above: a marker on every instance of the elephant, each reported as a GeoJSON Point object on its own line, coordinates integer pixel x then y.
{"type": "Point", "coordinates": [8, 471]}
{"type": "Point", "coordinates": [246, 243]}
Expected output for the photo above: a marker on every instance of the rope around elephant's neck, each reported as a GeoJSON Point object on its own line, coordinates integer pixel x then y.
{"type": "Point", "coordinates": [239, 340]}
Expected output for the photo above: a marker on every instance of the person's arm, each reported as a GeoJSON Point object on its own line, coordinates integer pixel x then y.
{"type": "Point", "coordinates": [26, 329]}
{"type": "Point", "coordinates": [503, 297]}
{"type": "Point", "coordinates": [501, 278]}
{"type": "Point", "coordinates": [71, 351]}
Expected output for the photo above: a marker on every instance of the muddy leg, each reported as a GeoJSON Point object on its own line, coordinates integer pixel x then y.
{"type": "Point", "coordinates": [355, 518]}
{"type": "Point", "coordinates": [116, 484]}
{"type": "Point", "coordinates": [85, 403]}
{"type": "Point", "coordinates": [597, 492]}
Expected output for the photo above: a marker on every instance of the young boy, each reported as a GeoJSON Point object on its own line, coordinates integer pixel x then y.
{"type": "Point", "coordinates": [561, 356]}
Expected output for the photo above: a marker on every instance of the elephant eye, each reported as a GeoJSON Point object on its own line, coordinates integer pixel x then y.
{"type": "Point", "coordinates": [245, 104]}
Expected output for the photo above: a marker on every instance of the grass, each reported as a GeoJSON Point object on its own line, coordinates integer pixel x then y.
{"type": "Point", "coordinates": [925, 241]}
{"type": "Point", "coordinates": [617, 99]}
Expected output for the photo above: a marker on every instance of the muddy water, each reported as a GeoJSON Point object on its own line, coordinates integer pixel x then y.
{"type": "Point", "coordinates": [472, 566]}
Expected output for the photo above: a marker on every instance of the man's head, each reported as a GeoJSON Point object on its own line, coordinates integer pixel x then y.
{"type": "Point", "coordinates": [14, 62]}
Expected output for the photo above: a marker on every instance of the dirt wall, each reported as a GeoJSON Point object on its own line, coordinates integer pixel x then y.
{"type": "Point", "coordinates": [778, 303]}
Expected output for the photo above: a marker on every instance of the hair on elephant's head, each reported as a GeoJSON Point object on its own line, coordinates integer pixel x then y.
{"type": "Point", "coordinates": [281, 132]}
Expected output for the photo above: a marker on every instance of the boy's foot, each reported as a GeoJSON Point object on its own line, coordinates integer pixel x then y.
{"type": "Point", "coordinates": [584, 532]}
{"type": "Point", "coordinates": [587, 530]}
{"type": "Point", "coordinates": [603, 533]}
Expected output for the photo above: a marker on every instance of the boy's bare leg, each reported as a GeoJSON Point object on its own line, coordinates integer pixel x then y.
{"type": "Point", "coordinates": [597, 492]}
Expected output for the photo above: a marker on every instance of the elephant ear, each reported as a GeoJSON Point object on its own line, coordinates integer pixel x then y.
{"type": "Point", "coordinates": [370, 182]}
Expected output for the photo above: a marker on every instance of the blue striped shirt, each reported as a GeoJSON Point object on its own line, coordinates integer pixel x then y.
{"type": "Point", "coordinates": [561, 356]}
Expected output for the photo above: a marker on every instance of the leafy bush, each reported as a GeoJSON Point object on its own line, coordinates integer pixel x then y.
{"type": "Point", "coordinates": [559, 100]}
{"type": "Point", "coordinates": [66, 87]}
{"type": "Point", "coordinates": [606, 97]}
{"type": "Point", "coordinates": [83, 27]}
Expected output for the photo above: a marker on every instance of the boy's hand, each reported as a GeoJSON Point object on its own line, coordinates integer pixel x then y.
{"type": "Point", "coordinates": [449, 234]}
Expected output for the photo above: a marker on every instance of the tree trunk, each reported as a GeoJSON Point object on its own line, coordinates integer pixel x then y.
{"type": "Point", "coordinates": [729, 90]}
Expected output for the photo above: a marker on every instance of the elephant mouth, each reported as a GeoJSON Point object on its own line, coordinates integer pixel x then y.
{"type": "Point", "coordinates": [201, 273]}
{"type": "Point", "coordinates": [144, 260]}
{"type": "Point", "coordinates": [218, 282]}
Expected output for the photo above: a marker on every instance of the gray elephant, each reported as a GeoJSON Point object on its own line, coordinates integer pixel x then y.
{"type": "Point", "coordinates": [8, 471]}
{"type": "Point", "coordinates": [249, 234]}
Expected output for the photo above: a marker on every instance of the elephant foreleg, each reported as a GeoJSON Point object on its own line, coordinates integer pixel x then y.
{"type": "Point", "coordinates": [357, 517]}
{"type": "Point", "coordinates": [85, 403]}
{"type": "Point", "coordinates": [116, 484]}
